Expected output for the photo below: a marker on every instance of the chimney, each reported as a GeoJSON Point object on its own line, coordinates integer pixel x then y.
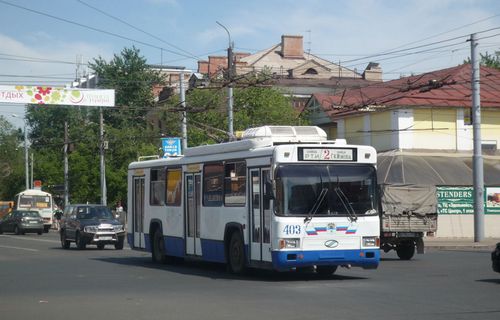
{"type": "Point", "coordinates": [292, 47]}
{"type": "Point", "coordinates": [373, 72]}
{"type": "Point", "coordinates": [203, 66]}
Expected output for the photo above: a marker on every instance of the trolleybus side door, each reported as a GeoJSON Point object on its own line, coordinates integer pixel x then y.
{"type": "Point", "coordinates": [192, 213]}
{"type": "Point", "coordinates": [138, 196]}
{"type": "Point", "coordinates": [260, 215]}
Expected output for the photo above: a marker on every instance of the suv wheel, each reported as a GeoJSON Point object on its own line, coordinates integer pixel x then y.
{"type": "Point", "coordinates": [119, 244]}
{"type": "Point", "coordinates": [65, 243]}
{"type": "Point", "coordinates": [80, 243]}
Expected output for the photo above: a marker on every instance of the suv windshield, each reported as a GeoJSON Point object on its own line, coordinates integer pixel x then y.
{"type": "Point", "coordinates": [94, 213]}
{"type": "Point", "coordinates": [339, 189]}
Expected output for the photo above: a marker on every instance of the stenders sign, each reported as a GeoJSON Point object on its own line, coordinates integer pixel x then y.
{"type": "Point", "coordinates": [460, 200]}
{"type": "Point", "coordinates": [57, 96]}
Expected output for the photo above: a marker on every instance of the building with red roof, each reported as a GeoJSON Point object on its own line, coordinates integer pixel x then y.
{"type": "Point", "coordinates": [422, 129]}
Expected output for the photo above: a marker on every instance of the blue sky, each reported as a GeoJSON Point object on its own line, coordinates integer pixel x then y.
{"type": "Point", "coordinates": [346, 31]}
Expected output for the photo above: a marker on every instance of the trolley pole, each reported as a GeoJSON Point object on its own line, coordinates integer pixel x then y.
{"type": "Point", "coordinates": [477, 157]}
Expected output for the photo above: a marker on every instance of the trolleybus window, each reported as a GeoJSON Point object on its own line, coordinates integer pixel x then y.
{"type": "Point", "coordinates": [157, 186]}
{"type": "Point", "coordinates": [234, 184]}
{"type": "Point", "coordinates": [174, 187]}
{"type": "Point", "coordinates": [326, 189]}
{"type": "Point", "coordinates": [40, 202]}
{"type": "Point", "coordinates": [213, 178]}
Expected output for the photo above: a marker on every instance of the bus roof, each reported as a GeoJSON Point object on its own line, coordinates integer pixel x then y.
{"type": "Point", "coordinates": [33, 192]}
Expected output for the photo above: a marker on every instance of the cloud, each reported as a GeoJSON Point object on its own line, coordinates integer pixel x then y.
{"type": "Point", "coordinates": [45, 60]}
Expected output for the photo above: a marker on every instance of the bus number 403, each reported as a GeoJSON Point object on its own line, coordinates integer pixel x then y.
{"type": "Point", "coordinates": [291, 229]}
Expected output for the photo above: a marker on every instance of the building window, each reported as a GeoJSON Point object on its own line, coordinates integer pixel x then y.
{"type": "Point", "coordinates": [213, 180]}
{"type": "Point", "coordinates": [235, 183]}
{"type": "Point", "coordinates": [174, 187]}
{"type": "Point", "coordinates": [157, 187]}
{"type": "Point", "coordinates": [311, 71]}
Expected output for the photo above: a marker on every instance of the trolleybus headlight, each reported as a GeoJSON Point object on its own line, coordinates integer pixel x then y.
{"type": "Point", "coordinates": [90, 229]}
{"type": "Point", "coordinates": [371, 241]}
{"type": "Point", "coordinates": [289, 243]}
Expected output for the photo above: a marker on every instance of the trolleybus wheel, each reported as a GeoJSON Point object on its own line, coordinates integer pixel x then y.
{"type": "Point", "coordinates": [236, 254]}
{"type": "Point", "coordinates": [158, 250]}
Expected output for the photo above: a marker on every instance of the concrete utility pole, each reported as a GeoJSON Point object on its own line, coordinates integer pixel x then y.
{"type": "Point", "coordinates": [66, 169]}
{"type": "Point", "coordinates": [477, 157]}
{"type": "Point", "coordinates": [184, 113]}
{"type": "Point", "coordinates": [230, 75]}
{"type": "Point", "coordinates": [103, 165]}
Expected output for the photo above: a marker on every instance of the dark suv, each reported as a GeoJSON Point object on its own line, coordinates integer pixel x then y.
{"type": "Point", "coordinates": [90, 224]}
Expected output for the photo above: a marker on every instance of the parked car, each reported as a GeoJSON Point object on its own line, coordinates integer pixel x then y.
{"type": "Point", "coordinates": [495, 258]}
{"type": "Point", "coordinates": [20, 222]}
{"type": "Point", "coordinates": [87, 224]}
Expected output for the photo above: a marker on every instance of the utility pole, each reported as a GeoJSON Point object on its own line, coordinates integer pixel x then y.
{"type": "Point", "coordinates": [66, 147]}
{"type": "Point", "coordinates": [184, 113]}
{"type": "Point", "coordinates": [230, 75]}
{"type": "Point", "coordinates": [477, 158]}
{"type": "Point", "coordinates": [101, 149]}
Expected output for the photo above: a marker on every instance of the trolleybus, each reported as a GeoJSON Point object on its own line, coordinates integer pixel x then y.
{"type": "Point", "coordinates": [282, 197]}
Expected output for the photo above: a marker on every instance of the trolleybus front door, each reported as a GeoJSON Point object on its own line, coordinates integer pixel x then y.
{"type": "Point", "coordinates": [192, 213]}
{"type": "Point", "coordinates": [138, 212]}
{"type": "Point", "coordinates": [260, 215]}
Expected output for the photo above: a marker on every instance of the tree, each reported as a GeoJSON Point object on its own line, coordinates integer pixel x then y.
{"type": "Point", "coordinates": [126, 127]}
{"type": "Point", "coordinates": [11, 160]}
{"type": "Point", "coordinates": [488, 60]}
{"type": "Point", "coordinates": [207, 118]}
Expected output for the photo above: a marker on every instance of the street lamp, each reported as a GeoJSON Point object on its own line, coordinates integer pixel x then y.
{"type": "Point", "coordinates": [230, 67]}
{"type": "Point", "coordinates": [26, 165]}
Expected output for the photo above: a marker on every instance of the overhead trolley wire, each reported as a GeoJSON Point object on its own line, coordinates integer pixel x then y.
{"type": "Point", "coordinates": [94, 29]}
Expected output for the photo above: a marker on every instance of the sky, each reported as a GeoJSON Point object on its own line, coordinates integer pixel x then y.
{"type": "Point", "coordinates": [49, 42]}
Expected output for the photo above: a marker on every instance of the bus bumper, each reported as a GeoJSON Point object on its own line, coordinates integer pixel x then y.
{"type": "Point", "coordinates": [287, 260]}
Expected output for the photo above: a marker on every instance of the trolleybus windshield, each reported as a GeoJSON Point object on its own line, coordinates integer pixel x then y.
{"type": "Point", "coordinates": [350, 190]}
{"type": "Point", "coordinates": [35, 202]}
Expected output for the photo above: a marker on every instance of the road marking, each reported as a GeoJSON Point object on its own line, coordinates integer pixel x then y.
{"type": "Point", "coordinates": [19, 248]}
{"type": "Point", "coordinates": [30, 239]}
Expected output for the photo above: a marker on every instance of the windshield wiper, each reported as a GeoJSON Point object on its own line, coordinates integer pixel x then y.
{"type": "Point", "coordinates": [345, 202]}
{"type": "Point", "coordinates": [317, 204]}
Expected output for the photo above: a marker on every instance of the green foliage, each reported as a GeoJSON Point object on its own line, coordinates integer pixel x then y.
{"type": "Point", "coordinates": [12, 176]}
{"type": "Point", "coordinates": [488, 60]}
{"type": "Point", "coordinates": [252, 107]}
{"type": "Point", "coordinates": [132, 129]}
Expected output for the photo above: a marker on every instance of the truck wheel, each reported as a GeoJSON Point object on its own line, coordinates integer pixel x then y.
{"type": "Point", "coordinates": [158, 249]}
{"type": "Point", "coordinates": [46, 228]}
{"type": "Point", "coordinates": [405, 250]}
{"type": "Point", "coordinates": [236, 254]}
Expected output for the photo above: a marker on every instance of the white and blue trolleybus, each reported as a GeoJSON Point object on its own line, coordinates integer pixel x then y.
{"type": "Point", "coordinates": [281, 197]}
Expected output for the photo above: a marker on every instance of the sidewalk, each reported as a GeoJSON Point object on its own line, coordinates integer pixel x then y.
{"type": "Point", "coordinates": [488, 244]}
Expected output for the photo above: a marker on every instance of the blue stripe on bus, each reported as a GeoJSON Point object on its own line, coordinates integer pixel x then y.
{"type": "Point", "coordinates": [285, 260]}
{"type": "Point", "coordinates": [213, 250]}
{"type": "Point", "coordinates": [175, 246]}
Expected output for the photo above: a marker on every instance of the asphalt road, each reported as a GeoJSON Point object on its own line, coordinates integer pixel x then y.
{"type": "Point", "coordinates": [39, 280]}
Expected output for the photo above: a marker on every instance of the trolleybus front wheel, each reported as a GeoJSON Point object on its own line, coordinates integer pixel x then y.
{"type": "Point", "coordinates": [236, 254]}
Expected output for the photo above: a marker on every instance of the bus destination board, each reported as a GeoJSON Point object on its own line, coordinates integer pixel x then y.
{"type": "Point", "coordinates": [327, 154]}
